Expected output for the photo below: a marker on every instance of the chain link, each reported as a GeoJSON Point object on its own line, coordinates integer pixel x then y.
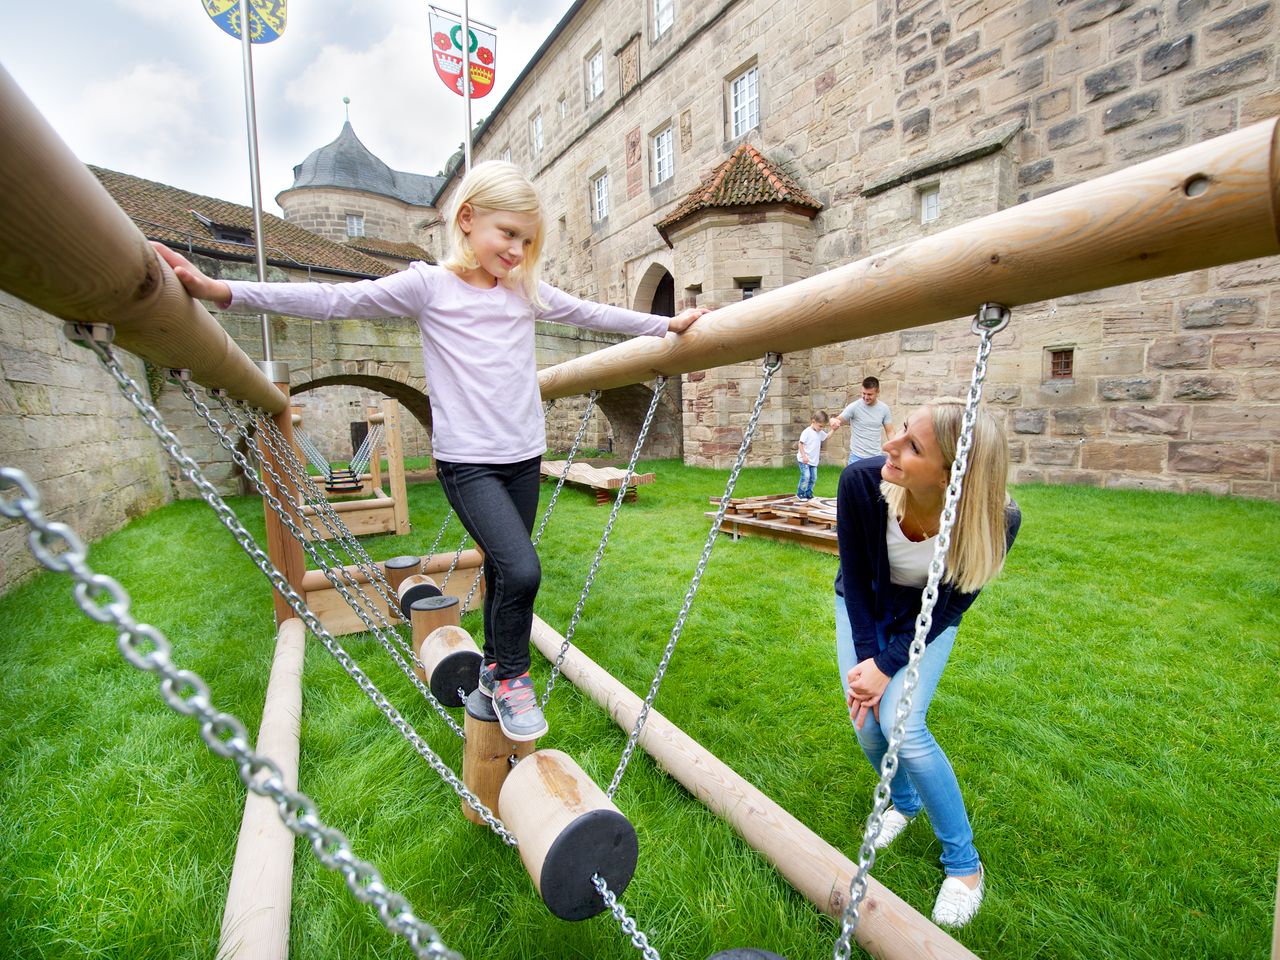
{"type": "Point", "coordinates": [772, 362]}
{"type": "Point", "coordinates": [147, 649]}
{"type": "Point", "coordinates": [564, 474]}
{"type": "Point", "coordinates": [333, 568]}
{"type": "Point", "coordinates": [457, 555]}
{"type": "Point", "coordinates": [604, 539]}
{"type": "Point", "coordinates": [629, 928]}
{"type": "Point", "coordinates": [986, 324]}
{"type": "Point", "coordinates": [227, 516]}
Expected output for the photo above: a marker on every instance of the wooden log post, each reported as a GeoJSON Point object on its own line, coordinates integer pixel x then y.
{"type": "Point", "coordinates": [419, 586]}
{"type": "Point", "coordinates": [1206, 205]}
{"type": "Point", "coordinates": [399, 569]}
{"type": "Point", "coordinates": [282, 547]}
{"type": "Point", "coordinates": [451, 662]}
{"type": "Point", "coordinates": [69, 250]}
{"type": "Point", "coordinates": [255, 923]}
{"type": "Point", "coordinates": [427, 615]}
{"type": "Point", "coordinates": [568, 831]}
{"type": "Point", "coordinates": [395, 464]}
{"type": "Point", "coordinates": [890, 928]}
{"type": "Point", "coordinates": [487, 755]}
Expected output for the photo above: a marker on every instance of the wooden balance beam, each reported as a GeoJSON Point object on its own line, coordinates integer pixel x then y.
{"type": "Point", "coordinates": [890, 928]}
{"type": "Point", "coordinates": [601, 481]}
{"type": "Point", "coordinates": [782, 517]}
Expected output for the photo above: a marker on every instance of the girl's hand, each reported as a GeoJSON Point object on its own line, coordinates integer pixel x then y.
{"type": "Point", "coordinates": [195, 282]}
{"type": "Point", "coordinates": [684, 320]}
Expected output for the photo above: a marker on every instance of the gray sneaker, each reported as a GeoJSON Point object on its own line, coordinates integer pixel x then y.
{"type": "Point", "coordinates": [516, 704]}
{"type": "Point", "coordinates": [487, 681]}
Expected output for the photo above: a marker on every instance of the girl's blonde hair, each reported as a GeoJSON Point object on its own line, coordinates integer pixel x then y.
{"type": "Point", "coordinates": [977, 548]}
{"type": "Point", "coordinates": [497, 185]}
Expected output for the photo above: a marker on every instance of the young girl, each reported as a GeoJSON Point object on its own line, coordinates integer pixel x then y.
{"type": "Point", "coordinates": [476, 314]}
{"type": "Point", "coordinates": [888, 513]}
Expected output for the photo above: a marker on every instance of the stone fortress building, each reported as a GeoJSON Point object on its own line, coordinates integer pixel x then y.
{"type": "Point", "coordinates": [703, 151]}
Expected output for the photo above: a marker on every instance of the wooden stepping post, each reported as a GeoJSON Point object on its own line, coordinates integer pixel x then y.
{"type": "Point", "coordinates": [488, 754]}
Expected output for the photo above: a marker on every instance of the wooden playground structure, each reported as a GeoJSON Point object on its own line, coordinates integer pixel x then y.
{"type": "Point", "coordinates": [783, 517]}
{"type": "Point", "coordinates": [1212, 203]}
{"type": "Point", "coordinates": [603, 482]}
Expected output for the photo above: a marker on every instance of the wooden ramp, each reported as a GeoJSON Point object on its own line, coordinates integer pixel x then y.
{"type": "Point", "coordinates": [602, 481]}
{"type": "Point", "coordinates": [782, 516]}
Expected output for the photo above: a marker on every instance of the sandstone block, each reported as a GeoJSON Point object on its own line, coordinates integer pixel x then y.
{"type": "Point", "coordinates": [1264, 387]}
{"type": "Point", "coordinates": [1037, 172]}
{"type": "Point", "coordinates": [1127, 388]}
{"type": "Point", "coordinates": [1179, 353]}
{"type": "Point", "coordinates": [1243, 460]}
{"type": "Point", "coordinates": [1110, 80]}
{"type": "Point", "coordinates": [1236, 422]}
{"type": "Point", "coordinates": [1252, 23]}
{"type": "Point", "coordinates": [1134, 30]}
{"type": "Point", "coordinates": [1094, 11]}
{"type": "Point", "coordinates": [1203, 387]}
{"type": "Point", "coordinates": [1255, 489]}
{"type": "Point", "coordinates": [1158, 484]}
{"type": "Point", "coordinates": [918, 71]}
{"type": "Point", "coordinates": [1053, 104]}
{"type": "Point", "coordinates": [1170, 421]}
{"type": "Point", "coordinates": [1164, 58]}
{"type": "Point", "coordinates": [1041, 35]}
{"type": "Point", "coordinates": [960, 49]}
{"type": "Point", "coordinates": [1030, 420]}
{"type": "Point", "coordinates": [1002, 393]}
{"type": "Point", "coordinates": [1251, 350]}
{"type": "Point", "coordinates": [915, 125]}
{"type": "Point", "coordinates": [1062, 453]}
{"type": "Point", "coordinates": [1131, 110]}
{"type": "Point", "coordinates": [1252, 68]}
{"type": "Point", "coordinates": [1137, 455]}
{"type": "Point", "coordinates": [1219, 312]}
{"type": "Point", "coordinates": [1077, 422]}
{"type": "Point", "coordinates": [1068, 133]}
{"type": "Point", "coordinates": [1153, 141]}
{"type": "Point", "coordinates": [916, 341]}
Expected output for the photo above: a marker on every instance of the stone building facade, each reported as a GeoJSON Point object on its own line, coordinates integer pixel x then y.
{"type": "Point", "coordinates": [903, 118]}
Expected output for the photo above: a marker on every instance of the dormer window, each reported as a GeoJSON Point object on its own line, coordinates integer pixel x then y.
{"type": "Point", "coordinates": [355, 225]}
{"type": "Point", "coordinates": [225, 233]}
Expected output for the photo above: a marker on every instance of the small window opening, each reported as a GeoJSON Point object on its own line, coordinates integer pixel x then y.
{"type": "Point", "coordinates": [1061, 364]}
{"type": "Point", "coordinates": [930, 204]}
{"type": "Point", "coordinates": [749, 286]}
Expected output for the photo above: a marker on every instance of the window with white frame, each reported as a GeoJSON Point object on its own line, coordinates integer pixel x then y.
{"type": "Point", "coordinates": [663, 16]}
{"type": "Point", "coordinates": [535, 132]}
{"type": "Point", "coordinates": [744, 101]}
{"type": "Point", "coordinates": [600, 197]}
{"type": "Point", "coordinates": [505, 156]}
{"type": "Point", "coordinates": [664, 161]}
{"type": "Point", "coordinates": [595, 74]}
{"type": "Point", "coordinates": [564, 107]}
{"type": "Point", "coordinates": [355, 225]}
{"type": "Point", "coordinates": [930, 208]}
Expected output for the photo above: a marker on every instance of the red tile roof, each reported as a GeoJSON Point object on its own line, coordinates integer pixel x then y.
{"type": "Point", "coordinates": [376, 247]}
{"type": "Point", "coordinates": [168, 214]}
{"type": "Point", "coordinates": [746, 179]}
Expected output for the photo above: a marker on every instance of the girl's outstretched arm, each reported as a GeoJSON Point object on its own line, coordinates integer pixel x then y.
{"type": "Point", "coordinates": [195, 282]}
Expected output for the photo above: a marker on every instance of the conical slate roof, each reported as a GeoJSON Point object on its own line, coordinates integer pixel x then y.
{"type": "Point", "coordinates": [746, 179]}
{"type": "Point", "coordinates": [346, 162]}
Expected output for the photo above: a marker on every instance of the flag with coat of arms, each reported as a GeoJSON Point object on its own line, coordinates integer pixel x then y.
{"type": "Point", "coordinates": [446, 52]}
{"type": "Point", "coordinates": [266, 18]}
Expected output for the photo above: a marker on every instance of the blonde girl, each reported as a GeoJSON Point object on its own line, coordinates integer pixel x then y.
{"type": "Point", "coordinates": [889, 510]}
{"type": "Point", "coordinates": [476, 314]}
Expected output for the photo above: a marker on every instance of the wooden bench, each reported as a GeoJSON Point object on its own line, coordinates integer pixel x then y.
{"type": "Point", "coordinates": [782, 517]}
{"type": "Point", "coordinates": [602, 481]}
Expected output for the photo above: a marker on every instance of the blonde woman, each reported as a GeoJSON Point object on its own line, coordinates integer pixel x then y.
{"type": "Point", "coordinates": [888, 513]}
{"type": "Point", "coordinates": [475, 313]}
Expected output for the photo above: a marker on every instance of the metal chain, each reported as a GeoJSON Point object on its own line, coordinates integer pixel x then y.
{"type": "Point", "coordinates": [604, 540]}
{"type": "Point", "coordinates": [990, 319]}
{"type": "Point", "coordinates": [368, 450]}
{"type": "Point", "coordinates": [227, 516]}
{"type": "Point", "coordinates": [772, 362]}
{"type": "Point", "coordinates": [564, 474]}
{"type": "Point", "coordinates": [387, 637]}
{"type": "Point", "coordinates": [316, 458]}
{"type": "Point", "coordinates": [440, 536]}
{"type": "Point", "coordinates": [629, 928]}
{"type": "Point", "coordinates": [475, 585]}
{"type": "Point", "coordinates": [148, 649]}
{"type": "Point", "coordinates": [457, 555]}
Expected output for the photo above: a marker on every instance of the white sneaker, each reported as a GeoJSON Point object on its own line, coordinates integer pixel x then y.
{"type": "Point", "coordinates": [891, 824]}
{"type": "Point", "coordinates": [956, 903]}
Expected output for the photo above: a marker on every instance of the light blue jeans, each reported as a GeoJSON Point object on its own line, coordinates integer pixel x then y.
{"type": "Point", "coordinates": [808, 477]}
{"type": "Point", "coordinates": [924, 777]}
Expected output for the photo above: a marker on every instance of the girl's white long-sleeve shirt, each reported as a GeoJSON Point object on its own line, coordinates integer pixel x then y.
{"type": "Point", "coordinates": [477, 348]}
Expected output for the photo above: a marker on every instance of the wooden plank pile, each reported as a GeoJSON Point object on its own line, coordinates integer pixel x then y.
{"type": "Point", "coordinates": [602, 481]}
{"type": "Point", "coordinates": [782, 517]}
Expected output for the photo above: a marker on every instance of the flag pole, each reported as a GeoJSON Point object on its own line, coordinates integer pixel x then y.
{"type": "Point", "coordinates": [466, 82]}
{"type": "Point", "coordinates": [255, 186]}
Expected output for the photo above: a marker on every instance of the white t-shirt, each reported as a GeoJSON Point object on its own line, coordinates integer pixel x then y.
{"type": "Point", "coordinates": [866, 423]}
{"type": "Point", "coordinates": [811, 440]}
{"type": "Point", "coordinates": [908, 560]}
{"type": "Point", "coordinates": [477, 348]}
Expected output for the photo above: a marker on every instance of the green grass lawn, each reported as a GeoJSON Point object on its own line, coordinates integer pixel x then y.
{"type": "Point", "coordinates": [1111, 710]}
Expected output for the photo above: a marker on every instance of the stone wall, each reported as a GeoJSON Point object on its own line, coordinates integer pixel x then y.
{"type": "Point", "coordinates": [65, 423]}
{"type": "Point", "coordinates": [324, 211]}
{"type": "Point", "coordinates": [866, 105]}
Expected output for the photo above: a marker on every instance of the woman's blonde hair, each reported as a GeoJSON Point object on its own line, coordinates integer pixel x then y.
{"type": "Point", "coordinates": [977, 548]}
{"type": "Point", "coordinates": [497, 185]}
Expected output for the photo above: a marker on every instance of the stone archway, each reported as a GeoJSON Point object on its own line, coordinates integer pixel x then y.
{"type": "Point", "coordinates": [411, 399]}
{"type": "Point", "coordinates": [625, 408]}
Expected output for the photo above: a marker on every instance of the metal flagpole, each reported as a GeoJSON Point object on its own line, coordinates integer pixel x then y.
{"type": "Point", "coordinates": [255, 186]}
{"type": "Point", "coordinates": [466, 82]}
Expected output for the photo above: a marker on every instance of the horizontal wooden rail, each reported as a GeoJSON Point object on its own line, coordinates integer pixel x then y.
{"type": "Point", "coordinates": [68, 249]}
{"type": "Point", "coordinates": [1213, 203]}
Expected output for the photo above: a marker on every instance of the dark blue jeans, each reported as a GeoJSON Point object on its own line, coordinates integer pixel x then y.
{"type": "Point", "coordinates": [497, 504]}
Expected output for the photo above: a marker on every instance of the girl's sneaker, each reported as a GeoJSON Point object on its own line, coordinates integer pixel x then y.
{"type": "Point", "coordinates": [957, 904]}
{"type": "Point", "coordinates": [487, 681]}
{"type": "Point", "coordinates": [891, 824]}
{"type": "Point", "coordinates": [517, 708]}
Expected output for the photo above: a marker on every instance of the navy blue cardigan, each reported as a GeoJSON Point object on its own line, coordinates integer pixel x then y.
{"type": "Point", "coordinates": [881, 613]}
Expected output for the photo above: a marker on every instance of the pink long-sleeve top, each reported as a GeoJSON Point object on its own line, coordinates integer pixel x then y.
{"type": "Point", "coordinates": [477, 348]}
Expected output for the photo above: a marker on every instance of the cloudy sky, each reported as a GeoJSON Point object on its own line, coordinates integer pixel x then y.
{"type": "Point", "coordinates": [153, 88]}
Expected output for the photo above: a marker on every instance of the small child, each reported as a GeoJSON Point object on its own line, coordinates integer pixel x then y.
{"type": "Point", "coordinates": [808, 449]}
{"type": "Point", "coordinates": [476, 313]}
